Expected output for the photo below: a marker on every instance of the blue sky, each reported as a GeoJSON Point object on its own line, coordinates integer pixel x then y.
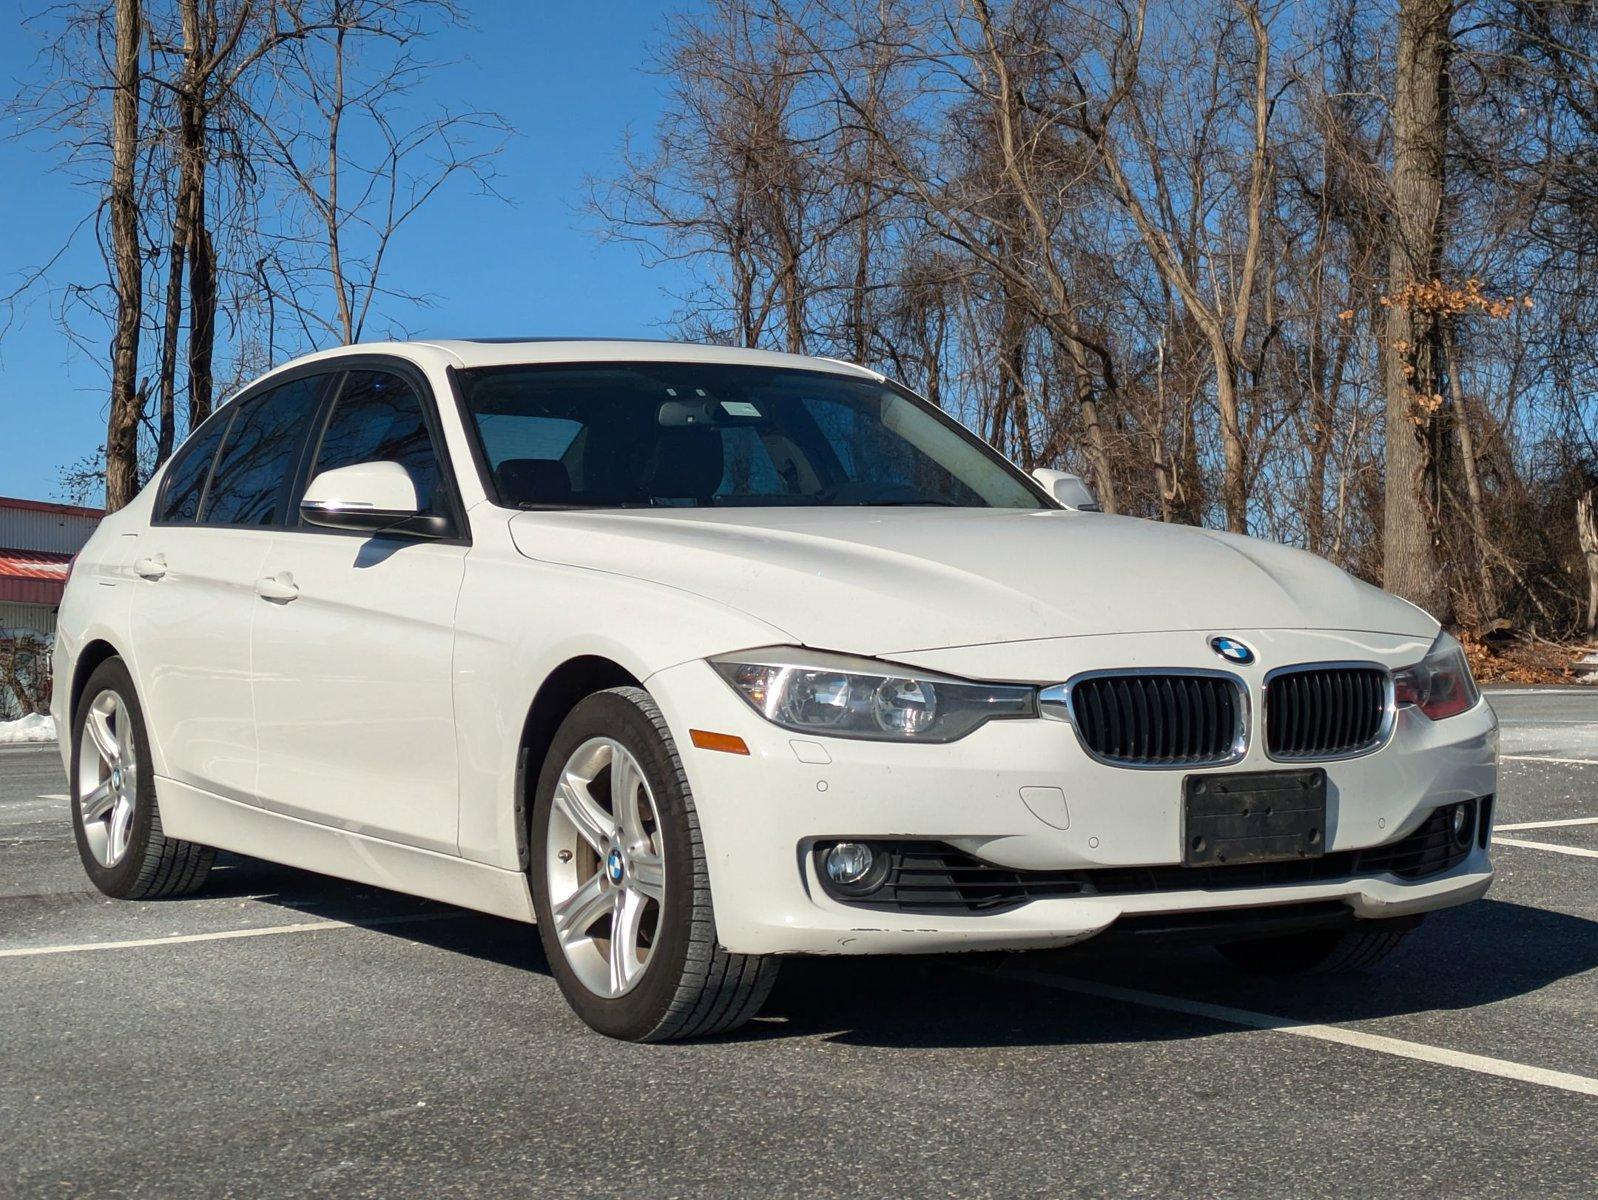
{"type": "Point", "coordinates": [570, 81]}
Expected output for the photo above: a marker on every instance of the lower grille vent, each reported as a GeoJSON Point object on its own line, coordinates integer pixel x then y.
{"type": "Point", "coordinates": [934, 877]}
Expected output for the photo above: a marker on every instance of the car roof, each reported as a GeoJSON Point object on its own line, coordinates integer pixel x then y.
{"type": "Point", "coordinates": [497, 352]}
{"type": "Point", "coordinates": [486, 352]}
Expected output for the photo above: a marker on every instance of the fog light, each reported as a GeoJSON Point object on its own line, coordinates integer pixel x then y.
{"type": "Point", "coordinates": [1459, 824]}
{"type": "Point", "coordinates": [848, 862]}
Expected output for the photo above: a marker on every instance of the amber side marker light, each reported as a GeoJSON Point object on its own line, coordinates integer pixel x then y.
{"type": "Point", "coordinates": [727, 743]}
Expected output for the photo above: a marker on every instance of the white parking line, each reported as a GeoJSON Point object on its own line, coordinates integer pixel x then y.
{"type": "Point", "coordinates": [1569, 762]}
{"type": "Point", "coordinates": [1549, 824]}
{"type": "Point", "coordinates": [1578, 851]}
{"type": "Point", "coordinates": [1418, 1051]}
{"type": "Point", "coordinates": [229, 934]}
{"type": "Point", "coordinates": [1583, 689]}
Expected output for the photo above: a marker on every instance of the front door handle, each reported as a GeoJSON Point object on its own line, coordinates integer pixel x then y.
{"type": "Point", "coordinates": [152, 567]}
{"type": "Point", "coordinates": [280, 587]}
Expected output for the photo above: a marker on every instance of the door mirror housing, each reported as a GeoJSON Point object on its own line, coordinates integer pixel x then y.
{"type": "Point", "coordinates": [1068, 489]}
{"type": "Point", "coordinates": [370, 497]}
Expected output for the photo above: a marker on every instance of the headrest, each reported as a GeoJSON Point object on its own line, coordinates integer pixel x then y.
{"type": "Point", "coordinates": [533, 481]}
{"type": "Point", "coordinates": [686, 464]}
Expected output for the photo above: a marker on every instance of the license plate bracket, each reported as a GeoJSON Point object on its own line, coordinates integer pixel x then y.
{"type": "Point", "coordinates": [1253, 816]}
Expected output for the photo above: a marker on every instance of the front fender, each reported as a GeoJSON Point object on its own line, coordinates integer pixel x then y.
{"type": "Point", "coordinates": [517, 621]}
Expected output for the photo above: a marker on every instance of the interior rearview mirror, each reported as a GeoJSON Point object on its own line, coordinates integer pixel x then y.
{"type": "Point", "coordinates": [372, 497]}
{"type": "Point", "coordinates": [1068, 489]}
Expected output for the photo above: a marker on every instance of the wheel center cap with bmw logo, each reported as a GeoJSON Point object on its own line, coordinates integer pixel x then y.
{"type": "Point", "coordinates": [1232, 650]}
{"type": "Point", "coordinates": [614, 867]}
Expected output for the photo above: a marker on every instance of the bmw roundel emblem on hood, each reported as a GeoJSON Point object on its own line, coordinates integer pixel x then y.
{"type": "Point", "coordinates": [1231, 650]}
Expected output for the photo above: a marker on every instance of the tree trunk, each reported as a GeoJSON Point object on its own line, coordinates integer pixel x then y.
{"type": "Point", "coordinates": [202, 256]}
{"type": "Point", "coordinates": [859, 298]}
{"type": "Point", "coordinates": [1587, 534]}
{"type": "Point", "coordinates": [1473, 496]}
{"type": "Point", "coordinates": [202, 312]}
{"type": "Point", "coordinates": [166, 437]}
{"type": "Point", "coordinates": [1088, 406]}
{"type": "Point", "coordinates": [1013, 327]}
{"type": "Point", "coordinates": [1234, 478]}
{"type": "Point", "coordinates": [122, 426]}
{"type": "Point", "coordinates": [335, 222]}
{"type": "Point", "coordinates": [1409, 545]}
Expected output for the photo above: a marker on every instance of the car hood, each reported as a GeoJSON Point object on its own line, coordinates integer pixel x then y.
{"type": "Point", "coordinates": [885, 580]}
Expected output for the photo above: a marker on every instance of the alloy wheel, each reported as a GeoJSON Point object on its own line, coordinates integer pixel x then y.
{"type": "Point", "coordinates": [605, 867]}
{"type": "Point", "coordinates": [108, 777]}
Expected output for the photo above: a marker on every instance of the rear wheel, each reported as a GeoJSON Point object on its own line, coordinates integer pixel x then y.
{"type": "Point", "coordinates": [1320, 951]}
{"type": "Point", "coordinates": [115, 818]}
{"type": "Point", "coordinates": [620, 884]}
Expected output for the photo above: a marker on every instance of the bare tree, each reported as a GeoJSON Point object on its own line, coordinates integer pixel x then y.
{"type": "Point", "coordinates": [735, 184]}
{"type": "Point", "coordinates": [24, 673]}
{"type": "Point", "coordinates": [215, 56]}
{"type": "Point", "coordinates": [1324, 272]}
{"type": "Point", "coordinates": [174, 131]}
{"type": "Point", "coordinates": [127, 398]}
{"type": "Point", "coordinates": [1587, 538]}
{"type": "Point", "coordinates": [1222, 313]}
{"type": "Point", "coordinates": [1420, 116]}
{"type": "Point", "coordinates": [361, 169]}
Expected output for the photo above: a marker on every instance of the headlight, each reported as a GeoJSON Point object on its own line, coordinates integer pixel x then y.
{"type": "Point", "coordinates": [861, 698]}
{"type": "Point", "coordinates": [1439, 684]}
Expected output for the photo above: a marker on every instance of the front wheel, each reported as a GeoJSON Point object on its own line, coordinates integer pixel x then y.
{"type": "Point", "coordinates": [620, 884]}
{"type": "Point", "coordinates": [1320, 951]}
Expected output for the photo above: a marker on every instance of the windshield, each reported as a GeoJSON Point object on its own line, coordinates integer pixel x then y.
{"type": "Point", "coordinates": [631, 435]}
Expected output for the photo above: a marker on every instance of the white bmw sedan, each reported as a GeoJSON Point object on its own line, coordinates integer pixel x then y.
{"type": "Point", "coordinates": [701, 657]}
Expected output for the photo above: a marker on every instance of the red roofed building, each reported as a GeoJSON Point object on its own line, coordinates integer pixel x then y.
{"type": "Point", "coordinates": [37, 542]}
{"type": "Point", "coordinates": [32, 577]}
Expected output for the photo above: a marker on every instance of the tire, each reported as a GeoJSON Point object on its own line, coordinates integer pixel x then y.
{"type": "Point", "coordinates": [687, 986]}
{"type": "Point", "coordinates": [124, 851]}
{"type": "Point", "coordinates": [1320, 951]}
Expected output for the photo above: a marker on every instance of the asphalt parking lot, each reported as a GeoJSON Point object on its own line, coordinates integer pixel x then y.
{"type": "Point", "coordinates": [284, 1034]}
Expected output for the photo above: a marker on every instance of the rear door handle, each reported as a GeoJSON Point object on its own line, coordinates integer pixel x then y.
{"type": "Point", "coordinates": [280, 587]}
{"type": "Point", "coordinates": [152, 567]}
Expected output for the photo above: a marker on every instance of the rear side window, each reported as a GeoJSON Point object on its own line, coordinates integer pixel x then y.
{"type": "Point", "coordinates": [259, 455]}
{"type": "Point", "coordinates": [378, 417]}
{"type": "Point", "coordinates": [185, 479]}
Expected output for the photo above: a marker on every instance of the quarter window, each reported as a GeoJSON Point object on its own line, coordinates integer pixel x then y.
{"type": "Point", "coordinates": [260, 454]}
{"type": "Point", "coordinates": [379, 418]}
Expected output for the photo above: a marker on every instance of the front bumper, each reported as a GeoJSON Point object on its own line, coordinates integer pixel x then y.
{"type": "Point", "coordinates": [760, 816]}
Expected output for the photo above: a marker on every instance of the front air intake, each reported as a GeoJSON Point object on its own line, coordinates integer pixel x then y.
{"type": "Point", "coordinates": [933, 877]}
{"type": "Point", "coordinates": [1163, 719]}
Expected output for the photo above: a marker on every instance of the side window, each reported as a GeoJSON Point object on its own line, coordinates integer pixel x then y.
{"type": "Point", "coordinates": [260, 454]}
{"type": "Point", "coordinates": [378, 418]}
{"type": "Point", "coordinates": [185, 479]}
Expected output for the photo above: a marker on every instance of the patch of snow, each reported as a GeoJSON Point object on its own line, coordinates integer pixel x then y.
{"type": "Point", "coordinates": [34, 728]}
{"type": "Point", "coordinates": [1587, 669]}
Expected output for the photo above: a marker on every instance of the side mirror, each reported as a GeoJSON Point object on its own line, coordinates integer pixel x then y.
{"type": "Point", "coordinates": [1068, 489]}
{"type": "Point", "coordinates": [371, 497]}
